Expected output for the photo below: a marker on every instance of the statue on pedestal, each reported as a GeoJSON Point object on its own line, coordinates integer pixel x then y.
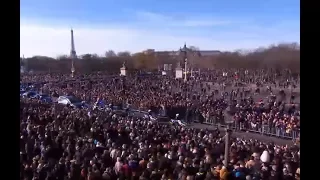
{"type": "Point", "coordinates": [123, 69]}
{"type": "Point", "coordinates": [179, 73]}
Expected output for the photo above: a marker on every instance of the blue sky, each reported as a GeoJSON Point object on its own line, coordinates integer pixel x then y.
{"type": "Point", "coordinates": [162, 25]}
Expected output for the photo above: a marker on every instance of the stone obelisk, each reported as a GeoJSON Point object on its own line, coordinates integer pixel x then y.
{"type": "Point", "coordinates": [73, 54]}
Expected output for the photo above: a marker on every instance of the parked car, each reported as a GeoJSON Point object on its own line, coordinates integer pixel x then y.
{"type": "Point", "coordinates": [72, 101]}
{"type": "Point", "coordinates": [22, 91]}
{"type": "Point", "coordinates": [45, 98]}
{"type": "Point", "coordinates": [179, 122]}
{"type": "Point", "coordinates": [23, 86]}
{"type": "Point", "coordinates": [121, 113]}
{"type": "Point", "coordinates": [164, 120]}
{"type": "Point", "coordinates": [100, 104]}
{"type": "Point", "coordinates": [30, 94]}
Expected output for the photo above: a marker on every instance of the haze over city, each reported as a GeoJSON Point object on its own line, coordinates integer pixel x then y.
{"type": "Point", "coordinates": [162, 25]}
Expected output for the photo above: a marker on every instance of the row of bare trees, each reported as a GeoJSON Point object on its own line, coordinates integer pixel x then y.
{"type": "Point", "coordinates": [276, 57]}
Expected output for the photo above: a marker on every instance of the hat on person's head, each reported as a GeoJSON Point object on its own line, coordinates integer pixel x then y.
{"type": "Point", "coordinates": [265, 157]}
{"type": "Point", "coordinates": [274, 167]}
{"type": "Point", "coordinates": [239, 174]}
{"type": "Point", "coordinates": [255, 154]}
{"type": "Point", "coordinates": [202, 170]}
{"type": "Point", "coordinates": [224, 175]}
{"type": "Point", "coordinates": [223, 171]}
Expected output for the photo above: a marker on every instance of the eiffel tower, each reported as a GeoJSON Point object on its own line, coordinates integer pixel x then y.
{"type": "Point", "coordinates": [73, 54]}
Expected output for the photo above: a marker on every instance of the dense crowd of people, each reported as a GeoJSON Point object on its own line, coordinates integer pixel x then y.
{"type": "Point", "coordinates": [62, 142]}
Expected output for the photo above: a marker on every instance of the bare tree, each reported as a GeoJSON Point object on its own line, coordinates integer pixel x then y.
{"type": "Point", "coordinates": [62, 57]}
{"type": "Point", "coordinates": [86, 56]}
{"type": "Point", "coordinates": [144, 61]}
{"type": "Point", "coordinates": [110, 53]}
{"type": "Point", "coordinates": [95, 56]}
{"type": "Point", "coordinates": [283, 56]}
{"type": "Point", "coordinates": [124, 54]}
{"type": "Point", "coordinates": [194, 48]}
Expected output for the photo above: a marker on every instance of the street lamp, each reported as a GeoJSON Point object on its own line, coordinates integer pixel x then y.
{"type": "Point", "coordinates": [184, 55]}
{"type": "Point", "coordinates": [227, 142]}
{"type": "Point", "coordinates": [72, 68]}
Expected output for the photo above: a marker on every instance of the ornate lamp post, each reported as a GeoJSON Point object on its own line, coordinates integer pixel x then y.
{"type": "Point", "coordinates": [72, 68]}
{"type": "Point", "coordinates": [227, 142]}
{"type": "Point", "coordinates": [184, 52]}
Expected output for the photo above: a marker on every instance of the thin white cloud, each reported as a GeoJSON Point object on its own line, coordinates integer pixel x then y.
{"type": "Point", "coordinates": [150, 16]}
{"type": "Point", "coordinates": [54, 40]}
{"type": "Point", "coordinates": [197, 23]}
{"type": "Point", "coordinates": [166, 20]}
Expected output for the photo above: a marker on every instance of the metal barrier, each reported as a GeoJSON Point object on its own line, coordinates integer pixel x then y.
{"type": "Point", "coordinates": [263, 129]}
{"type": "Point", "coordinates": [280, 132]}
